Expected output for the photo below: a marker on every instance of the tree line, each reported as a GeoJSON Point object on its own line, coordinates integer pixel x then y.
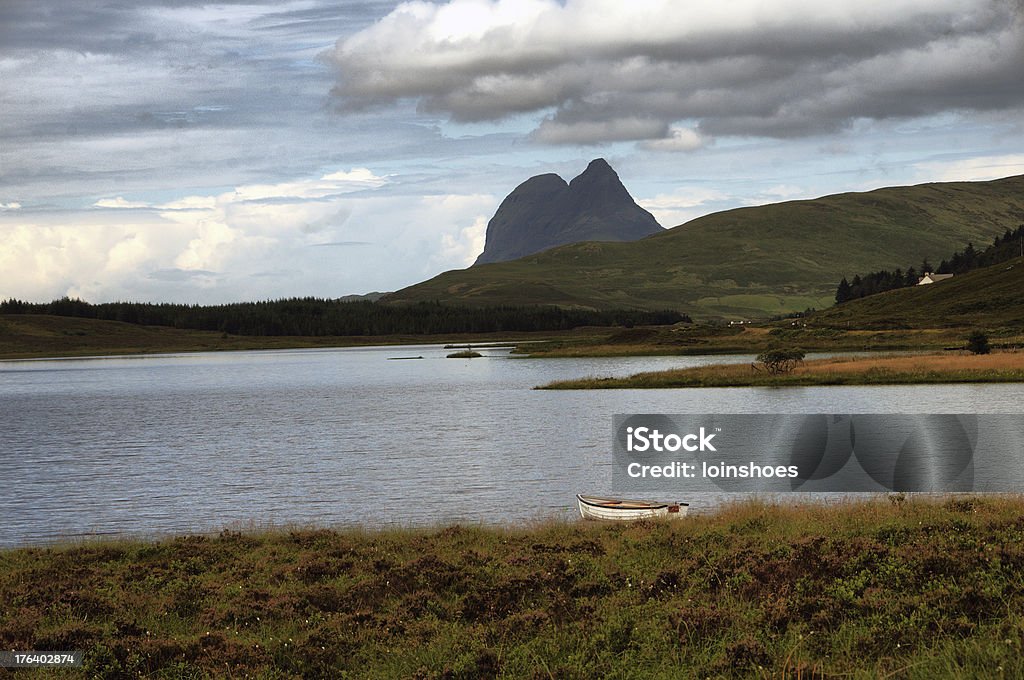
{"type": "Point", "coordinates": [319, 317]}
{"type": "Point", "coordinates": [1003, 248]}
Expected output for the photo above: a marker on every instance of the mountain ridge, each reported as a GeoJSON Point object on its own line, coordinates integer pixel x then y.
{"type": "Point", "coordinates": [750, 262]}
{"type": "Point", "coordinates": [545, 211]}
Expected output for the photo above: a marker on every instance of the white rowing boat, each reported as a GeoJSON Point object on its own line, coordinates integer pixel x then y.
{"type": "Point", "coordinates": [622, 510]}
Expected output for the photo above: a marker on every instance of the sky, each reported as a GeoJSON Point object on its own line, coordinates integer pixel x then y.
{"type": "Point", "coordinates": [180, 151]}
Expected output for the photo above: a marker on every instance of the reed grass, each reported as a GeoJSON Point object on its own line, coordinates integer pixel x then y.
{"type": "Point", "coordinates": [912, 369]}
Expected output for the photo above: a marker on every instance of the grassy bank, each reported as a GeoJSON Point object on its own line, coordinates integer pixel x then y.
{"type": "Point", "coordinates": [25, 336]}
{"type": "Point", "coordinates": [702, 340]}
{"type": "Point", "coordinates": [863, 590]}
{"type": "Point", "coordinates": [915, 369]}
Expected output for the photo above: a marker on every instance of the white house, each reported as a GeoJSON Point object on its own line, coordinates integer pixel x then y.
{"type": "Point", "coordinates": [933, 278]}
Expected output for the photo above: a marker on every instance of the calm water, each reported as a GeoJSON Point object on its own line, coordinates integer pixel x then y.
{"type": "Point", "coordinates": [195, 442]}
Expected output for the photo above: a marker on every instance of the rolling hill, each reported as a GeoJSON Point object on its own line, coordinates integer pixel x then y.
{"type": "Point", "coordinates": [747, 262]}
{"type": "Point", "coordinates": [988, 298]}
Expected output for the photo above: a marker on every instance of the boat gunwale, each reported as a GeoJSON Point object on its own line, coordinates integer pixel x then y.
{"type": "Point", "coordinates": [640, 505]}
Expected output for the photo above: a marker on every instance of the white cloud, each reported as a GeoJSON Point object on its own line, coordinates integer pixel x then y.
{"type": "Point", "coordinates": [119, 202]}
{"type": "Point", "coordinates": [678, 139]}
{"type": "Point", "coordinates": [128, 254]}
{"type": "Point", "coordinates": [781, 192]}
{"type": "Point", "coordinates": [254, 219]}
{"type": "Point", "coordinates": [684, 204]}
{"type": "Point", "coordinates": [328, 185]}
{"type": "Point", "coordinates": [464, 247]}
{"type": "Point", "coordinates": [13, 205]}
{"type": "Point", "coordinates": [253, 242]}
{"type": "Point", "coordinates": [972, 169]}
{"type": "Point", "coordinates": [190, 203]}
{"type": "Point", "coordinates": [89, 255]}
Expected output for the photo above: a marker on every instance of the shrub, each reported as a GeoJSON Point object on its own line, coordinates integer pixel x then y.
{"type": "Point", "coordinates": [779, 361]}
{"type": "Point", "coordinates": [977, 343]}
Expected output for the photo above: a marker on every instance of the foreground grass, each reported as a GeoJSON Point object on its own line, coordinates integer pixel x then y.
{"type": "Point", "coordinates": [863, 590]}
{"type": "Point", "coordinates": [882, 370]}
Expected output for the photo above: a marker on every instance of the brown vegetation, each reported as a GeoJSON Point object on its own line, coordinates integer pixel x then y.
{"type": "Point", "coordinates": [947, 367]}
{"type": "Point", "coordinates": [909, 588]}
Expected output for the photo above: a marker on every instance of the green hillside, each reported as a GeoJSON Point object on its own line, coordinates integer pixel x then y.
{"type": "Point", "coordinates": [37, 335]}
{"type": "Point", "coordinates": [748, 262]}
{"type": "Point", "coordinates": [989, 298]}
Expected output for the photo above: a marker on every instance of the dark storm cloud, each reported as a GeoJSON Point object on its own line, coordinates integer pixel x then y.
{"type": "Point", "coordinates": [600, 71]}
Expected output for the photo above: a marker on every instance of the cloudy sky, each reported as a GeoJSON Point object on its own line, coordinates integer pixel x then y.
{"type": "Point", "coordinates": [183, 151]}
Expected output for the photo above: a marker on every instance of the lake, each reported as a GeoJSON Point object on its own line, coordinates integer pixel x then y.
{"type": "Point", "coordinates": [151, 445]}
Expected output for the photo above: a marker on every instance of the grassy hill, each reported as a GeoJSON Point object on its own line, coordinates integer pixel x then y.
{"type": "Point", "coordinates": [990, 298]}
{"type": "Point", "coordinates": [748, 262]}
{"type": "Point", "coordinates": [24, 336]}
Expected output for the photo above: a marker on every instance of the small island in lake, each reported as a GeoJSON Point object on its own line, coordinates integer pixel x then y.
{"type": "Point", "coordinates": [465, 354]}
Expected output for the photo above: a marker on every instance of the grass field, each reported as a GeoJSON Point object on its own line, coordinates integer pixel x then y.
{"type": "Point", "coordinates": [33, 335]}
{"type": "Point", "coordinates": [907, 589]}
{"type": "Point", "coordinates": [750, 262]}
{"type": "Point", "coordinates": [874, 370]}
{"type": "Point", "coordinates": [704, 340]}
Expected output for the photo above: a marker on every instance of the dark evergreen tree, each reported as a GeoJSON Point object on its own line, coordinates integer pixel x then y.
{"type": "Point", "coordinates": [843, 292]}
{"type": "Point", "coordinates": [1003, 248]}
{"type": "Point", "coordinates": [318, 317]}
{"type": "Point", "coordinates": [977, 343]}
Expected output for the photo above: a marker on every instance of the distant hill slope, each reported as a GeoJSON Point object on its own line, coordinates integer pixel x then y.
{"type": "Point", "coordinates": [545, 211]}
{"type": "Point", "coordinates": [368, 297]}
{"type": "Point", "coordinates": [748, 262]}
{"type": "Point", "coordinates": [988, 298]}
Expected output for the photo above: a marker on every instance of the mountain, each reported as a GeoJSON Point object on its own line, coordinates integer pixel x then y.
{"type": "Point", "coordinates": [368, 297]}
{"type": "Point", "coordinates": [545, 211]}
{"type": "Point", "coordinates": [748, 262]}
{"type": "Point", "coordinates": [989, 298]}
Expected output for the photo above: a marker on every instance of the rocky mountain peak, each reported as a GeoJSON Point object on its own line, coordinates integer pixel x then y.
{"type": "Point", "coordinates": [545, 211]}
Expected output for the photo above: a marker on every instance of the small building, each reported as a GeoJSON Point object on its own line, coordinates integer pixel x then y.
{"type": "Point", "coordinates": [933, 278]}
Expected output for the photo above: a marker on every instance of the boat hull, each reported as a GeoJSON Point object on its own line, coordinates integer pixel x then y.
{"type": "Point", "coordinates": [621, 510]}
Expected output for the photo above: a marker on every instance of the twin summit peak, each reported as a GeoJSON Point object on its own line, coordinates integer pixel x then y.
{"type": "Point", "coordinates": [546, 211]}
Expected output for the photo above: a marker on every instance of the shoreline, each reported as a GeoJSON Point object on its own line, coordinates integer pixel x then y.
{"type": "Point", "coordinates": [49, 337]}
{"type": "Point", "coordinates": [566, 518]}
{"type": "Point", "coordinates": [887, 369]}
